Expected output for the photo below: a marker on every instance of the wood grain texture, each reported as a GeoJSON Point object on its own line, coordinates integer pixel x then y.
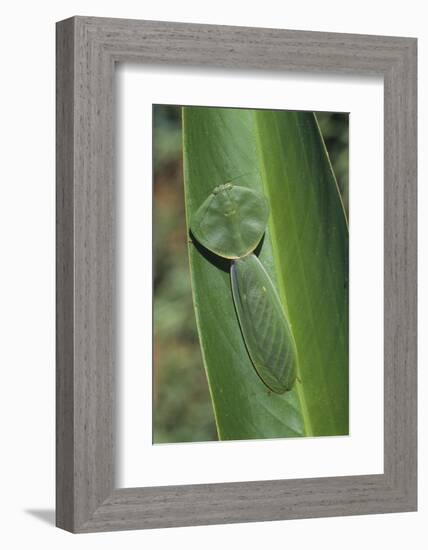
{"type": "Point", "coordinates": [87, 49]}
{"type": "Point", "coordinates": [64, 278]}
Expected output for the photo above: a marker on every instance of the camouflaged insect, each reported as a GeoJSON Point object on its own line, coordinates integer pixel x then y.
{"type": "Point", "coordinates": [231, 223]}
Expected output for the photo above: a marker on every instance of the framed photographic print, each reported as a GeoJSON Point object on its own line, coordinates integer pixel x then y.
{"type": "Point", "coordinates": [236, 274]}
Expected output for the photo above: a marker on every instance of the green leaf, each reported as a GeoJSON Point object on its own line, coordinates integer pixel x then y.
{"type": "Point", "coordinates": [304, 252]}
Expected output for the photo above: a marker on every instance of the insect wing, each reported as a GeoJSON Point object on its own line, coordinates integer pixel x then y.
{"type": "Point", "coordinates": [265, 328]}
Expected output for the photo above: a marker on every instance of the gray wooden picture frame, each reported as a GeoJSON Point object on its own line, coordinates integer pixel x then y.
{"type": "Point", "coordinates": [87, 51]}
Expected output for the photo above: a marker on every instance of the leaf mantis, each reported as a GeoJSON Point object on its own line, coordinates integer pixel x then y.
{"type": "Point", "coordinates": [231, 223]}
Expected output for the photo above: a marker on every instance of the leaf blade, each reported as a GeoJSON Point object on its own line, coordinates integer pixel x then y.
{"type": "Point", "coordinates": [282, 154]}
{"type": "Point", "coordinates": [308, 215]}
{"type": "Point", "coordinates": [222, 147]}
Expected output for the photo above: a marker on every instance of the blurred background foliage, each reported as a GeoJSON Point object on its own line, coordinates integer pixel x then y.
{"type": "Point", "coordinates": [182, 409]}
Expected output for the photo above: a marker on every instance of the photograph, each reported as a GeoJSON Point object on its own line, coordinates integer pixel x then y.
{"type": "Point", "coordinates": [210, 304]}
{"type": "Point", "coordinates": [250, 274]}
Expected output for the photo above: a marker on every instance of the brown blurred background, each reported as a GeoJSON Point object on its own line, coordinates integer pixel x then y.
{"type": "Point", "coordinates": [182, 409]}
